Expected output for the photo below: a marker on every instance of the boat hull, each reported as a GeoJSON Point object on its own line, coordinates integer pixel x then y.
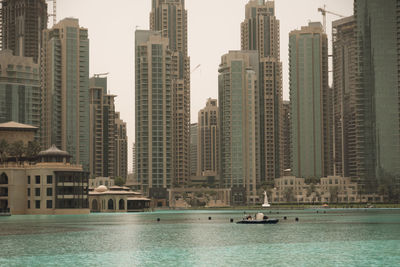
{"type": "Point", "coordinates": [269, 221]}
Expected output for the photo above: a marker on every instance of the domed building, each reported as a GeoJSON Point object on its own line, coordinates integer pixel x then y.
{"type": "Point", "coordinates": [117, 199]}
{"type": "Point", "coordinates": [52, 185]}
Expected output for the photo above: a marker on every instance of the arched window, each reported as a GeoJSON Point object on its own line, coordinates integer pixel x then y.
{"type": "Point", "coordinates": [95, 206]}
{"type": "Point", "coordinates": [121, 204]}
{"type": "Point", "coordinates": [110, 204]}
{"type": "Point", "coordinates": [3, 178]}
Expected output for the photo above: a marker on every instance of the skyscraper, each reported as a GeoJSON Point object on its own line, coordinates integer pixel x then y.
{"type": "Point", "coordinates": [239, 125]}
{"type": "Point", "coordinates": [65, 89]}
{"type": "Point", "coordinates": [310, 101]}
{"type": "Point", "coordinates": [121, 148]}
{"type": "Point", "coordinates": [260, 31]}
{"type": "Point", "coordinates": [378, 91]}
{"type": "Point", "coordinates": [208, 139]}
{"type": "Point", "coordinates": [344, 96]}
{"type": "Point", "coordinates": [286, 137]}
{"type": "Point", "coordinates": [193, 149]}
{"type": "Point", "coordinates": [102, 129]}
{"type": "Point", "coordinates": [169, 18]}
{"type": "Point", "coordinates": [21, 26]}
{"type": "Point", "coordinates": [153, 113]}
{"type": "Point", "coordinates": [19, 89]}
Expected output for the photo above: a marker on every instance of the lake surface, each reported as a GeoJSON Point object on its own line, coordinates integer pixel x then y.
{"type": "Point", "coordinates": [188, 238]}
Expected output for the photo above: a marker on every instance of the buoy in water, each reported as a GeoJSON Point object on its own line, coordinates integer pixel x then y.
{"type": "Point", "coordinates": [231, 220]}
{"type": "Point", "coordinates": [297, 219]}
{"type": "Point", "coordinates": [158, 219]}
{"type": "Point", "coordinates": [285, 218]}
{"type": "Point", "coordinates": [209, 218]}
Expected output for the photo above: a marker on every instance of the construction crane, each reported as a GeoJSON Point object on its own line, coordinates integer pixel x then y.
{"type": "Point", "coordinates": [97, 75]}
{"type": "Point", "coordinates": [54, 15]}
{"type": "Point", "coordinates": [195, 68]}
{"type": "Point", "coordinates": [324, 11]}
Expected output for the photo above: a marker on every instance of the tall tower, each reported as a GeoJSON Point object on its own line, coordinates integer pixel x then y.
{"type": "Point", "coordinates": [193, 149]}
{"type": "Point", "coordinates": [310, 101]}
{"type": "Point", "coordinates": [344, 96]}
{"type": "Point", "coordinates": [121, 148]}
{"type": "Point", "coordinates": [169, 17]}
{"type": "Point", "coordinates": [65, 89]}
{"type": "Point", "coordinates": [286, 137]}
{"type": "Point", "coordinates": [208, 139]}
{"type": "Point", "coordinates": [239, 125]}
{"type": "Point", "coordinates": [378, 92]}
{"type": "Point", "coordinates": [260, 31]}
{"type": "Point", "coordinates": [22, 23]}
{"type": "Point", "coordinates": [153, 113]}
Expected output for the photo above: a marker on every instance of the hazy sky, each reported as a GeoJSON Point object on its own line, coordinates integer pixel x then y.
{"type": "Point", "coordinates": [213, 30]}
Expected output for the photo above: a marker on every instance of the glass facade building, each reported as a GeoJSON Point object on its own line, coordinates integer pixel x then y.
{"type": "Point", "coordinates": [19, 89]}
{"type": "Point", "coordinates": [378, 95]}
{"type": "Point", "coordinates": [153, 111]}
{"type": "Point", "coordinates": [65, 89]}
{"type": "Point", "coordinates": [239, 124]}
{"type": "Point", "coordinates": [310, 104]}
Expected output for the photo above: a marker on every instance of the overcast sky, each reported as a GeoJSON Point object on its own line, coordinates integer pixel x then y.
{"type": "Point", "coordinates": [213, 30]}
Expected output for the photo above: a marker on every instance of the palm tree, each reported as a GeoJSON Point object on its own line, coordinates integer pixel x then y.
{"type": "Point", "coordinates": [288, 193]}
{"type": "Point", "coordinates": [32, 150]}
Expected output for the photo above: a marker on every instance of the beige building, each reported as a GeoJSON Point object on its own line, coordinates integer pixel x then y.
{"type": "Point", "coordinates": [121, 148]}
{"type": "Point", "coordinates": [239, 125]}
{"type": "Point", "coordinates": [153, 113]}
{"type": "Point", "coordinates": [208, 139]}
{"type": "Point", "coordinates": [117, 199]}
{"type": "Point", "coordinates": [331, 189]}
{"type": "Point", "coordinates": [51, 186]}
{"type": "Point", "coordinates": [260, 31]}
{"type": "Point", "coordinates": [65, 90]}
{"type": "Point", "coordinates": [169, 17]}
{"type": "Point", "coordinates": [13, 131]}
{"type": "Point", "coordinates": [286, 136]}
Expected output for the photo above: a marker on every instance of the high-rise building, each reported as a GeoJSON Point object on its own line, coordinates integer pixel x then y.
{"type": "Point", "coordinates": [169, 18]}
{"type": "Point", "coordinates": [344, 96]}
{"type": "Point", "coordinates": [19, 89]}
{"type": "Point", "coordinates": [102, 129]}
{"type": "Point", "coordinates": [65, 90]}
{"type": "Point", "coordinates": [193, 149]}
{"type": "Point", "coordinates": [134, 159]}
{"type": "Point", "coordinates": [208, 139]}
{"type": "Point", "coordinates": [260, 31]}
{"type": "Point", "coordinates": [239, 125]}
{"type": "Point", "coordinates": [153, 113]}
{"type": "Point", "coordinates": [21, 25]}
{"type": "Point", "coordinates": [286, 137]}
{"type": "Point", "coordinates": [121, 148]}
{"type": "Point", "coordinates": [310, 102]}
{"type": "Point", "coordinates": [378, 91]}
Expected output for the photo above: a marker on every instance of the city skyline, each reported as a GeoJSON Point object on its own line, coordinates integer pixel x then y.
{"type": "Point", "coordinates": [117, 59]}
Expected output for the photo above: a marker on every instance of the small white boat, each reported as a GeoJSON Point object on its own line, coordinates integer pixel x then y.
{"type": "Point", "coordinates": [266, 204]}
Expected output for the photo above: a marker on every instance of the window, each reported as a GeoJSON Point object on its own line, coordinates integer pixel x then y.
{"type": "Point", "coordinates": [37, 204]}
{"type": "Point", "coordinates": [37, 179]}
{"type": "Point", "coordinates": [29, 180]}
{"type": "Point", "coordinates": [49, 192]}
{"type": "Point", "coordinates": [37, 192]}
{"type": "Point", "coordinates": [29, 192]}
{"type": "Point", "coordinates": [49, 204]}
{"type": "Point", "coordinates": [49, 179]}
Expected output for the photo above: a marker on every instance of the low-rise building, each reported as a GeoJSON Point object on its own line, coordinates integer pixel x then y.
{"type": "Point", "coordinates": [51, 186]}
{"type": "Point", "coordinates": [96, 182]}
{"type": "Point", "coordinates": [117, 199]}
{"type": "Point", "coordinates": [331, 189]}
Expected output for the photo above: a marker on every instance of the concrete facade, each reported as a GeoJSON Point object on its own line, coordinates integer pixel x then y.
{"type": "Point", "coordinates": [208, 139]}
{"type": "Point", "coordinates": [65, 89]}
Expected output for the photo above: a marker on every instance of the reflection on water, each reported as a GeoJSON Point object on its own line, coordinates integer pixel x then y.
{"type": "Point", "coordinates": [189, 238]}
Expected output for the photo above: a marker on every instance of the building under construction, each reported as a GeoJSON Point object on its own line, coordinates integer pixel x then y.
{"type": "Point", "coordinates": [21, 26]}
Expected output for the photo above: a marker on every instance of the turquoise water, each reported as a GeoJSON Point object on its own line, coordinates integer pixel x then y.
{"type": "Point", "coordinates": [188, 238]}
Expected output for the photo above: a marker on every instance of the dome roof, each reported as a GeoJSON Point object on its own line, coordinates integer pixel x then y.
{"type": "Point", "coordinates": [101, 188]}
{"type": "Point", "coordinates": [53, 151]}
